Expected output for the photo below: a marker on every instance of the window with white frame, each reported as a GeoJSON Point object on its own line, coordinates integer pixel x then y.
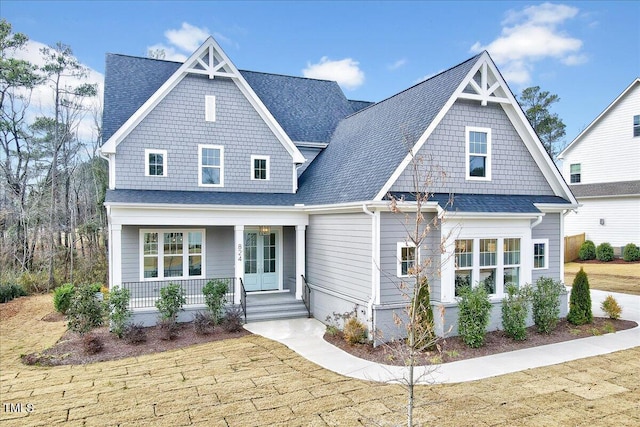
{"type": "Point", "coordinates": [464, 265]}
{"type": "Point", "coordinates": [478, 153]}
{"type": "Point", "coordinates": [210, 108]}
{"type": "Point", "coordinates": [406, 256]}
{"type": "Point", "coordinates": [488, 264]}
{"type": "Point", "coordinates": [511, 262]}
{"type": "Point", "coordinates": [540, 254]}
{"type": "Point", "coordinates": [172, 253]}
{"type": "Point", "coordinates": [211, 165]}
{"type": "Point", "coordinates": [636, 126]}
{"type": "Point", "coordinates": [260, 168]}
{"type": "Point", "coordinates": [574, 172]}
{"type": "Point", "coordinates": [155, 162]}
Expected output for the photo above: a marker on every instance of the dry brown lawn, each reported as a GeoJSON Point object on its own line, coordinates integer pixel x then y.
{"type": "Point", "coordinates": [618, 277]}
{"type": "Point", "coordinates": [252, 381]}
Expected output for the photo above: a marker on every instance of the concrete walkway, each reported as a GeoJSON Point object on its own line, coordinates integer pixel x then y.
{"type": "Point", "coordinates": [305, 337]}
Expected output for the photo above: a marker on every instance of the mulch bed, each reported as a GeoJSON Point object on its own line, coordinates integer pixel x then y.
{"type": "Point", "coordinates": [453, 349]}
{"type": "Point", "coordinates": [69, 349]}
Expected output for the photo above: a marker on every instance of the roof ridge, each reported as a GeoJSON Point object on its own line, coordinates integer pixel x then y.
{"type": "Point", "coordinates": [290, 76]}
{"type": "Point", "coordinates": [143, 57]}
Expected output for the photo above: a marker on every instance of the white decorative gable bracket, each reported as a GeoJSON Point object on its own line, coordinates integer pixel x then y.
{"type": "Point", "coordinates": [211, 64]}
{"type": "Point", "coordinates": [485, 86]}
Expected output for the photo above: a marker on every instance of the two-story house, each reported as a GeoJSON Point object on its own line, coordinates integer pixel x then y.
{"type": "Point", "coordinates": [602, 167]}
{"type": "Point", "coordinates": [280, 184]}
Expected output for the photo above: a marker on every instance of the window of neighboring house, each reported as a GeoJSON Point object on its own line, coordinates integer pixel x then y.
{"type": "Point", "coordinates": [172, 253]}
{"type": "Point", "coordinates": [478, 152]}
{"type": "Point", "coordinates": [511, 262]}
{"type": "Point", "coordinates": [540, 254]}
{"type": "Point", "coordinates": [210, 108]}
{"type": "Point", "coordinates": [488, 264]}
{"type": "Point", "coordinates": [155, 162]}
{"type": "Point", "coordinates": [260, 168]}
{"type": "Point", "coordinates": [211, 165]}
{"type": "Point", "coordinates": [406, 255]}
{"type": "Point", "coordinates": [636, 125]}
{"type": "Point", "coordinates": [464, 265]}
{"type": "Point", "coordinates": [574, 171]}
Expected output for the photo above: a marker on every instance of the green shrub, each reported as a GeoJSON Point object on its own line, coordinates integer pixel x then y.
{"type": "Point", "coordinates": [514, 312]}
{"type": "Point", "coordinates": [474, 309]}
{"type": "Point", "coordinates": [587, 250]}
{"type": "Point", "coordinates": [214, 297]}
{"type": "Point", "coordinates": [119, 313]}
{"type": "Point", "coordinates": [631, 252]}
{"type": "Point", "coordinates": [11, 291]}
{"type": "Point", "coordinates": [611, 307]}
{"type": "Point", "coordinates": [580, 300]}
{"type": "Point", "coordinates": [355, 332]}
{"type": "Point", "coordinates": [62, 296]}
{"type": "Point", "coordinates": [424, 330]}
{"type": "Point", "coordinates": [172, 298]}
{"type": "Point", "coordinates": [545, 297]}
{"type": "Point", "coordinates": [85, 311]}
{"type": "Point", "coordinates": [604, 252]}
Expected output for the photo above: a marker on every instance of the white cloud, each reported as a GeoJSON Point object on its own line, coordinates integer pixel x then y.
{"type": "Point", "coordinates": [42, 97]}
{"type": "Point", "coordinates": [188, 38]}
{"type": "Point", "coordinates": [531, 35]}
{"type": "Point", "coordinates": [398, 64]}
{"type": "Point", "coordinates": [344, 71]}
{"type": "Point", "coordinates": [170, 53]}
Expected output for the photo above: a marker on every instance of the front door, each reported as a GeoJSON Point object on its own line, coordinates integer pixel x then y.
{"type": "Point", "coordinates": [261, 261]}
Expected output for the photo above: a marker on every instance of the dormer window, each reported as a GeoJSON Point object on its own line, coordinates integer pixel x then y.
{"type": "Point", "coordinates": [478, 153]}
{"type": "Point", "coordinates": [155, 162]}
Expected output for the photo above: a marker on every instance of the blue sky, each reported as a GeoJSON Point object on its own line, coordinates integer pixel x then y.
{"type": "Point", "coordinates": [586, 52]}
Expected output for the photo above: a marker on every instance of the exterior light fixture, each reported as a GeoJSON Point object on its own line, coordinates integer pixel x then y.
{"type": "Point", "coordinates": [265, 229]}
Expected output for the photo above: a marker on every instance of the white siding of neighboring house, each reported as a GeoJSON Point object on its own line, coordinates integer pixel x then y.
{"type": "Point", "coordinates": [609, 152]}
{"type": "Point", "coordinates": [621, 217]}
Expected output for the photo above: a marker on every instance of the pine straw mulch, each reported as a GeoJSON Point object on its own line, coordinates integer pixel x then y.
{"type": "Point", "coordinates": [453, 349]}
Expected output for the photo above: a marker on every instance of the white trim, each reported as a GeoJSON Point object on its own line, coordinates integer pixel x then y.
{"type": "Point", "coordinates": [487, 155]}
{"type": "Point", "coordinates": [209, 108]}
{"type": "Point", "coordinates": [307, 144]}
{"type": "Point", "coordinates": [545, 242]}
{"type": "Point", "coordinates": [148, 151]}
{"type": "Point", "coordinates": [268, 167]}
{"type": "Point", "coordinates": [200, 165]}
{"type": "Point", "coordinates": [399, 247]}
{"type": "Point", "coordinates": [112, 171]}
{"type": "Point", "coordinates": [160, 255]}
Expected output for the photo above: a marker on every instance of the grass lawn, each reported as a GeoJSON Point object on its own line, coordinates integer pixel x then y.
{"type": "Point", "coordinates": [624, 278]}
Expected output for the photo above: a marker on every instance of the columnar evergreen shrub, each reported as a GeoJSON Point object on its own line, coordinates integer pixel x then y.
{"type": "Point", "coordinates": [580, 300]}
{"type": "Point", "coordinates": [424, 330]}
{"type": "Point", "coordinates": [545, 298]}
{"type": "Point", "coordinates": [611, 307]}
{"type": "Point", "coordinates": [631, 252]}
{"type": "Point", "coordinates": [587, 250]}
{"type": "Point", "coordinates": [214, 297]}
{"type": "Point", "coordinates": [515, 307]}
{"type": "Point", "coordinates": [62, 296]}
{"type": "Point", "coordinates": [604, 252]}
{"type": "Point", "coordinates": [119, 313]}
{"type": "Point", "coordinates": [85, 311]}
{"type": "Point", "coordinates": [474, 309]}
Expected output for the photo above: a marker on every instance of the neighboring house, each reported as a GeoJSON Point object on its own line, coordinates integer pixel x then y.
{"type": "Point", "coordinates": [266, 180]}
{"type": "Point", "coordinates": [602, 166]}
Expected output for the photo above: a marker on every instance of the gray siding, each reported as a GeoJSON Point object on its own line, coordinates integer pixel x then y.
{"type": "Point", "coordinates": [309, 154]}
{"type": "Point", "coordinates": [289, 256]}
{"type": "Point", "coordinates": [393, 229]}
{"type": "Point", "coordinates": [339, 253]}
{"type": "Point", "coordinates": [177, 125]}
{"type": "Point", "coordinates": [549, 228]}
{"type": "Point", "coordinates": [510, 157]}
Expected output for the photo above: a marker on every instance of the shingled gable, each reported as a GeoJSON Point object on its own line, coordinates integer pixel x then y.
{"type": "Point", "coordinates": [209, 59]}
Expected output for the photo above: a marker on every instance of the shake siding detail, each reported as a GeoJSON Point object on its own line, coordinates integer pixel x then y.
{"type": "Point", "coordinates": [549, 228]}
{"type": "Point", "coordinates": [178, 125]}
{"type": "Point", "coordinates": [393, 229]}
{"type": "Point", "coordinates": [339, 253]}
{"type": "Point", "coordinates": [445, 151]}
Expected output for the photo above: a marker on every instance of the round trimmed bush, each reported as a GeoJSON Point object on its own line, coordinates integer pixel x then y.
{"type": "Point", "coordinates": [631, 252]}
{"type": "Point", "coordinates": [604, 252]}
{"type": "Point", "coordinates": [587, 250]}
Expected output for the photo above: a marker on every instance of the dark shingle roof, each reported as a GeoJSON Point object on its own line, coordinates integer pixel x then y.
{"type": "Point", "coordinates": [622, 188]}
{"type": "Point", "coordinates": [199, 198]}
{"type": "Point", "coordinates": [369, 145]}
{"type": "Point", "coordinates": [493, 203]}
{"type": "Point", "coordinates": [359, 105]}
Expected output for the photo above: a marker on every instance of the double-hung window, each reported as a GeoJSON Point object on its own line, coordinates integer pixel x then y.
{"type": "Point", "coordinates": [464, 265]}
{"type": "Point", "coordinates": [478, 153]}
{"type": "Point", "coordinates": [406, 255]}
{"type": "Point", "coordinates": [574, 172]}
{"type": "Point", "coordinates": [260, 168]}
{"type": "Point", "coordinates": [511, 262]}
{"type": "Point", "coordinates": [211, 165]}
{"type": "Point", "coordinates": [155, 162]}
{"type": "Point", "coordinates": [488, 264]}
{"type": "Point", "coordinates": [172, 253]}
{"type": "Point", "coordinates": [540, 254]}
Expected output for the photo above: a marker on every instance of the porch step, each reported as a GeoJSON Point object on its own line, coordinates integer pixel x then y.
{"type": "Point", "coordinates": [268, 307]}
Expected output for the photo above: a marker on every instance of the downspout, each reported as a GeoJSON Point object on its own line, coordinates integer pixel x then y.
{"type": "Point", "coordinates": [374, 238]}
{"type": "Point", "coordinates": [536, 222]}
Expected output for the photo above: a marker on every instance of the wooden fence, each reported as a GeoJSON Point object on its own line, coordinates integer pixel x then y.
{"type": "Point", "coordinates": [572, 246]}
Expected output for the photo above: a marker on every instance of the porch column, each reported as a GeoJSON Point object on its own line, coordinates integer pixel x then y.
{"type": "Point", "coordinates": [238, 238]}
{"type": "Point", "coordinates": [300, 258]}
{"type": "Point", "coordinates": [115, 254]}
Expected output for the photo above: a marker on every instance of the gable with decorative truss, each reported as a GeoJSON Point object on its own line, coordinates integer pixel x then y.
{"type": "Point", "coordinates": [485, 86]}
